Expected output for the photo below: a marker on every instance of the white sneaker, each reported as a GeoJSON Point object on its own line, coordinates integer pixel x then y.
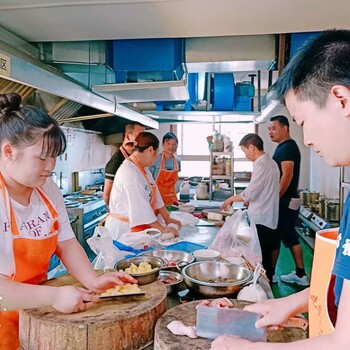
{"type": "Point", "coordinates": [274, 279]}
{"type": "Point", "coordinates": [293, 278]}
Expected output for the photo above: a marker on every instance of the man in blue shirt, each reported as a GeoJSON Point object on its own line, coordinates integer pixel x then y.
{"type": "Point", "coordinates": [315, 86]}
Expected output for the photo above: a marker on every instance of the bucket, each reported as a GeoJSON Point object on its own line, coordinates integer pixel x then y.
{"type": "Point", "coordinates": [185, 190]}
{"type": "Point", "coordinates": [325, 247]}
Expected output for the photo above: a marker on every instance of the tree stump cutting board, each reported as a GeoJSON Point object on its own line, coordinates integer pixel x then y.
{"type": "Point", "coordinates": [125, 322]}
{"type": "Point", "coordinates": [186, 313]}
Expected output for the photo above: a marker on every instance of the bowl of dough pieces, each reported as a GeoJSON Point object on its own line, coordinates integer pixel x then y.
{"type": "Point", "coordinates": [143, 268]}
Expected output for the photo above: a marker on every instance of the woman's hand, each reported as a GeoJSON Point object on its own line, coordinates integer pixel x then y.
{"type": "Point", "coordinates": [174, 221]}
{"type": "Point", "coordinates": [70, 299]}
{"type": "Point", "coordinates": [170, 229]}
{"type": "Point", "coordinates": [109, 280]}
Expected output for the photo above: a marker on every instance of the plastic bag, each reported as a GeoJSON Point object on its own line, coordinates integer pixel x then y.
{"type": "Point", "coordinates": [184, 218]}
{"type": "Point", "coordinates": [139, 240]}
{"type": "Point", "coordinates": [101, 243]}
{"type": "Point", "coordinates": [254, 292]}
{"type": "Point", "coordinates": [238, 237]}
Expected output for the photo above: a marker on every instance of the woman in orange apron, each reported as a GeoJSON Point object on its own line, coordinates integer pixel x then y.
{"type": "Point", "coordinates": [135, 199]}
{"type": "Point", "coordinates": [166, 174]}
{"type": "Point", "coordinates": [34, 222]}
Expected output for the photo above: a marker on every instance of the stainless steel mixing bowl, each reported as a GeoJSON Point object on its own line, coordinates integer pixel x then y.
{"type": "Point", "coordinates": [200, 278]}
{"type": "Point", "coordinates": [172, 287]}
{"type": "Point", "coordinates": [142, 278]}
{"type": "Point", "coordinates": [170, 257]}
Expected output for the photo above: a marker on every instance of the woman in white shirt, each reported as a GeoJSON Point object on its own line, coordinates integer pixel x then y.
{"type": "Point", "coordinates": [135, 200]}
{"type": "Point", "coordinates": [34, 222]}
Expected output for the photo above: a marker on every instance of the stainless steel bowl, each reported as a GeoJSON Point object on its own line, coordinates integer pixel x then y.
{"type": "Point", "coordinates": [170, 257]}
{"type": "Point", "coordinates": [142, 278]}
{"type": "Point", "coordinates": [174, 286]}
{"type": "Point", "coordinates": [199, 276]}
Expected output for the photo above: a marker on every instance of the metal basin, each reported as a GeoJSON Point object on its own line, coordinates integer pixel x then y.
{"type": "Point", "coordinates": [171, 279]}
{"type": "Point", "coordinates": [200, 276]}
{"type": "Point", "coordinates": [171, 258]}
{"type": "Point", "coordinates": [142, 278]}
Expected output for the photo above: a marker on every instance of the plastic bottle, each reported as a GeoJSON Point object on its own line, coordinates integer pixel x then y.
{"type": "Point", "coordinates": [228, 167]}
{"type": "Point", "coordinates": [227, 144]}
{"type": "Point", "coordinates": [185, 190]}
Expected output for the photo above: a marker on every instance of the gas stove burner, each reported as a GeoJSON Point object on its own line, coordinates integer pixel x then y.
{"type": "Point", "coordinates": [82, 198]}
{"type": "Point", "coordinates": [71, 204]}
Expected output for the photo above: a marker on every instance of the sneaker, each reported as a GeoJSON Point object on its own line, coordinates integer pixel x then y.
{"type": "Point", "coordinates": [293, 278]}
{"type": "Point", "coordinates": [274, 279]}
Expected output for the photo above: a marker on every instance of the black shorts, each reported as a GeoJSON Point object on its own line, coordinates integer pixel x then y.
{"type": "Point", "coordinates": [285, 231]}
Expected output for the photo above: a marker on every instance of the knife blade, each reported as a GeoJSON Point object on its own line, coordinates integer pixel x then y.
{"type": "Point", "coordinates": [215, 321]}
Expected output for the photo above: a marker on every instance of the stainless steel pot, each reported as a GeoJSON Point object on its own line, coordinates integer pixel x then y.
{"type": "Point", "coordinates": [322, 204]}
{"type": "Point", "coordinates": [199, 278]}
{"type": "Point", "coordinates": [309, 197]}
{"type": "Point", "coordinates": [332, 210]}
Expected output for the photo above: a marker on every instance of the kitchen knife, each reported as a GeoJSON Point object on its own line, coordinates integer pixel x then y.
{"type": "Point", "coordinates": [215, 321]}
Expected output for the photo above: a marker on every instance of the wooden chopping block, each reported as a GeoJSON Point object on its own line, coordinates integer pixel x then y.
{"type": "Point", "coordinates": [126, 322]}
{"type": "Point", "coordinates": [186, 313]}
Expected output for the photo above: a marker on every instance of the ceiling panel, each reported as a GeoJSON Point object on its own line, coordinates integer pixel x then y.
{"type": "Point", "coordinates": [64, 20]}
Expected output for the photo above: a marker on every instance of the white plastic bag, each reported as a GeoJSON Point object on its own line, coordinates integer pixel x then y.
{"type": "Point", "coordinates": [254, 292]}
{"type": "Point", "coordinates": [137, 240]}
{"type": "Point", "coordinates": [238, 237]}
{"type": "Point", "coordinates": [184, 218]}
{"type": "Point", "coordinates": [107, 254]}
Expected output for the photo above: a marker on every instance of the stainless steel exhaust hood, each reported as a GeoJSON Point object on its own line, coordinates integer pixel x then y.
{"type": "Point", "coordinates": [28, 71]}
{"type": "Point", "coordinates": [175, 90]}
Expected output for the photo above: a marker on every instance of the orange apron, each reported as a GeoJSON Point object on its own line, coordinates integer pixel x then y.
{"type": "Point", "coordinates": [321, 282]}
{"type": "Point", "coordinates": [31, 258]}
{"type": "Point", "coordinates": [124, 152]}
{"type": "Point", "coordinates": [166, 181]}
{"type": "Point", "coordinates": [152, 201]}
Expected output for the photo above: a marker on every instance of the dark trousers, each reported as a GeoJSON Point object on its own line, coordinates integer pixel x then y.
{"type": "Point", "coordinates": [266, 238]}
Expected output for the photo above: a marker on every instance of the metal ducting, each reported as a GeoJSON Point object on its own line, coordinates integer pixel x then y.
{"type": "Point", "coordinates": [271, 107]}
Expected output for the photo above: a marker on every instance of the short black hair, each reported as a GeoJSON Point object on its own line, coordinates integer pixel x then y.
{"type": "Point", "coordinates": [321, 63]}
{"type": "Point", "coordinates": [170, 136]}
{"type": "Point", "coordinates": [281, 119]}
{"type": "Point", "coordinates": [252, 139]}
{"type": "Point", "coordinates": [129, 127]}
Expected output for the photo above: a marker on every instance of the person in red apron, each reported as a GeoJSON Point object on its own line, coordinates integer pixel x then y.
{"type": "Point", "coordinates": [315, 86]}
{"type": "Point", "coordinates": [135, 199]}
{"type": "Point", "coordinates": [166, 168]}
{"type": "Point", "coordinates": [34, 222]}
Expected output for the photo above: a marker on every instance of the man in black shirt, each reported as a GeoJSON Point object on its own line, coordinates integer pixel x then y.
{"type": "Point", "coordinates": [287, 157]}
{"type": "Point", "coordinates": [131, 131]}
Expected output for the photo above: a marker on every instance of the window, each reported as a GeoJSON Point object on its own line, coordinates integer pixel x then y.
{"type": "Point", "coordinates": [193, 146]}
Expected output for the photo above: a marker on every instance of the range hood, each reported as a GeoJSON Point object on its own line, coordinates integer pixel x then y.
{"type": "Point", "coordinates": [145, 91]}
{"type": "Point", "coordinates": [27, 71]}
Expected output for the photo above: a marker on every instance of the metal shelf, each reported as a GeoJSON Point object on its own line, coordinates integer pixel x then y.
{"type": "Point", "coordinates": [212, 177]}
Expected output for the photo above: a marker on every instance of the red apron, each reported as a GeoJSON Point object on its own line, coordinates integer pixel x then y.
{"type": "Point", "coordinates": [321, 283]}
{"type": "Point", "coordinates": [31, 258]}
{"type": "Point", "coordinates": [166, 181]}
{"type": "Point", "coordinates": [153, 198]}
